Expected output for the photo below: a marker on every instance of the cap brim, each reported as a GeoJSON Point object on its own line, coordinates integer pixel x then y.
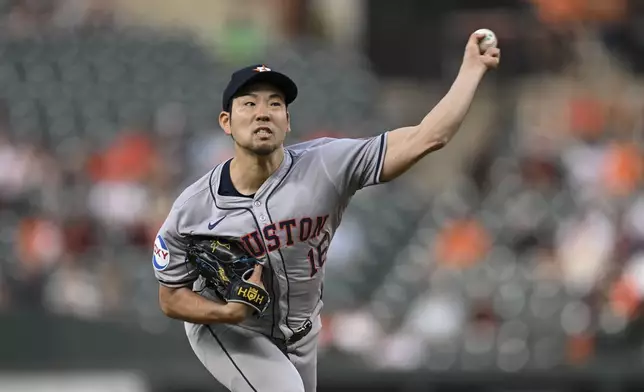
{"type": "Point", "coordinates": [279, 80]}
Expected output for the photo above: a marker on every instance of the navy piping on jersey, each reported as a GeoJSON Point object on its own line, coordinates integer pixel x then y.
{"type": "Point", "coordinates": [378, 170]}
{"type": "Point", "coordinates": [270, 218]}
{"type": "Point", "coordinates": [214, 199]}
{"type": "Point", "coordinates": [231, 358]}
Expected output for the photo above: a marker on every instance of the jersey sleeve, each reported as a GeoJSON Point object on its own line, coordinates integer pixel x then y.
{"type": "Point", "coordinates": [353, 164]}
{"type": "Point", "coordinates": [168, 257]}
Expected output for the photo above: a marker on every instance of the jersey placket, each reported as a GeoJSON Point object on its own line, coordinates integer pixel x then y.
{"type": "Point", "coordinates": [263, 216]}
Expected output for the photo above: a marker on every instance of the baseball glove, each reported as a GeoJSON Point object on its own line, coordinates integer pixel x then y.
{"type": "Point", "coordinates": [226, 268]}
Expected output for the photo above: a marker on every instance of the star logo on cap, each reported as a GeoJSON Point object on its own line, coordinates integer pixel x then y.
{"type": "Point", "coordinates": [261, 69]}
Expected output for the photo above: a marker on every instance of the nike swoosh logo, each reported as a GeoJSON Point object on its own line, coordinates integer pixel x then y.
{"type": "Point", "coordinates": [212, 225]}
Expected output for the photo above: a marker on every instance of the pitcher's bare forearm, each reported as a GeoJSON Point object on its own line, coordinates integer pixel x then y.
{"type": "Point", "coordinates": [406, 146]}
{"type": "Point", "coordinates": [184, 304]}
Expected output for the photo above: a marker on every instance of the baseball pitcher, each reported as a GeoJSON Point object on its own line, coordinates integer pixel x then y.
{"type": "Point", "coordinates": [241, 256]}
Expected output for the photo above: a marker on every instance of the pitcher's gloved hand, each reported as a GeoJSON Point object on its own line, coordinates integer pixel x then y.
{"type": "Point", "coordinates": [227, 268]}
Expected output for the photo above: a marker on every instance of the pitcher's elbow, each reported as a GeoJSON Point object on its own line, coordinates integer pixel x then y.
{"type": "Point", "coordinates": [165, 308]}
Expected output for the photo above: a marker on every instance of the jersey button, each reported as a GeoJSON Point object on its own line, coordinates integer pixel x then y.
{"type": "Point", "coordinates": [262, 218]}
{"type": "Point", "coordinates": [258, 203]}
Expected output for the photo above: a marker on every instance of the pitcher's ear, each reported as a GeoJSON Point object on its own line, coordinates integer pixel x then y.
{"type": "Point", "coordinates": [288, 121]}
{"type": "Point", "coordinates": [224, 122]}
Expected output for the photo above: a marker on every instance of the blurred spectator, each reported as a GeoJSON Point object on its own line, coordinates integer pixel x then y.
{"type": "Point", "coordinates": [622, 171]}
{"type": "Point", "coordinates": [634, 222]}
{"type": "Point", "coordinates": [355, 331]}
{"type": "Point", "coordinates": [119, 196]}
{"type": "Point", "coordinates": [73, 289]}
{"type": "Point", "coordinates": [462, 243]}
{"type": "Point", "coordinates": [26, 170]}
{"type": "Point", "coordinates": [40, 244]}
{"type": "Point", "coordinates": [436, 318]}
{"type": "Point", "coordinates": [14, 177]}
{"type": "Point", "coordinates": [39, 247]}
{"type": "Point", "coordinates": [130, 158]}
{"type": "Point", "coordinates": [80, 235]}
{"type": "Point", "coordinates": [585, 249]}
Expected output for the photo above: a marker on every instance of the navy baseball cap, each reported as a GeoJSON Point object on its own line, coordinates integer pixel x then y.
{"type": "Point", "coordinates": [257, 74]}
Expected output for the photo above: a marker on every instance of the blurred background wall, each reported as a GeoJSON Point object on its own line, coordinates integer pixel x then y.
{"type": "Point", "coordinates": [513, 259]}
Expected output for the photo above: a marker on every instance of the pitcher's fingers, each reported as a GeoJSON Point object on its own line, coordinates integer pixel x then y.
{"type": "Point", "coordinates": [493, 52]}
{"type": "Point", "coordinates": [475, 38]}
{"type": "Point", "coordinates": [257, 273]}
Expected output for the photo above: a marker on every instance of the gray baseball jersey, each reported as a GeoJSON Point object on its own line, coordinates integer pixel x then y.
{"type": "Point", "coordinates": [289, 223]}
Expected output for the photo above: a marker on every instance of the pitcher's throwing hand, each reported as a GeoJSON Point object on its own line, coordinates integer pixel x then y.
{"type": "Point", "coordinates": [473, 58]}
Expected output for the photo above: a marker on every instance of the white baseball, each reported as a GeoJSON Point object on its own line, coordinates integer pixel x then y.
{"type": "Point", "coordinates": [489, 41]}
